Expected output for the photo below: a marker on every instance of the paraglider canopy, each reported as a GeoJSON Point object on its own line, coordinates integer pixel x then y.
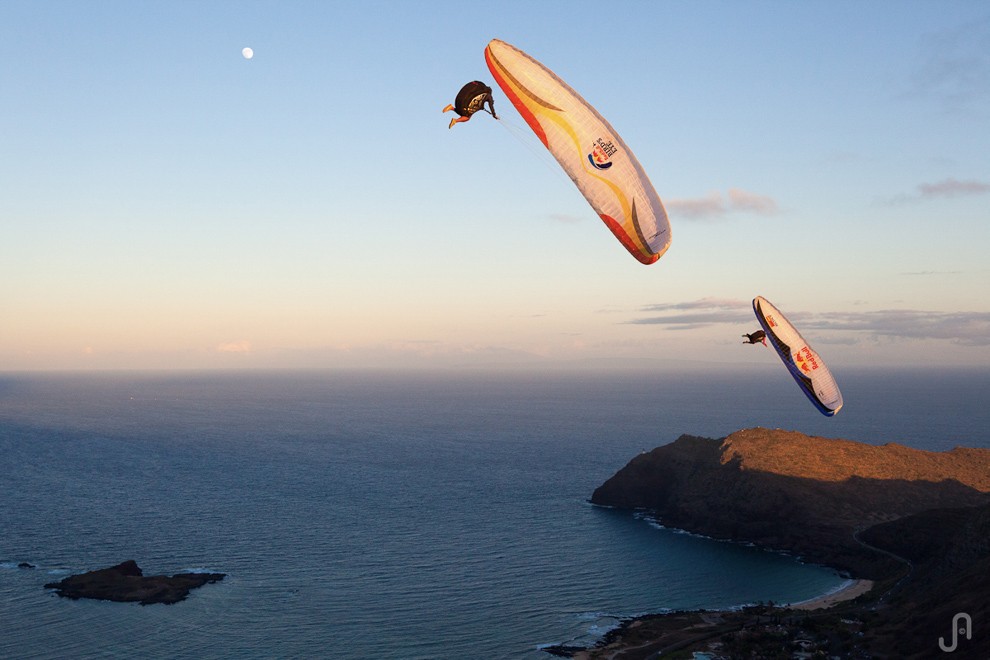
{"type": "Point", "coordinates": [588, 149]}
{"type": "Point", "coordinates": [806, 366]}
{"type": "Point", "coordinates": [472, 98]}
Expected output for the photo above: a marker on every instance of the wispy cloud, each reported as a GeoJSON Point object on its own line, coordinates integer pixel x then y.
{"type": "Point", "coordinates": [747, 202]}
{"type": "Point", "coordinates": [696, 313]}
{"type": "Point", "coordinates": [715, 205]}
{"type": "Point", "coordinates": [701, 303]}
{"type": "Point", "coordinates": [242, 346]}
{"type": "Point", "coordinates": [953, 188]}
{"type": "Point", "coordinates": [964, 328]}
{"type": "Point", "coordinates": [711, 206]}
{"type": "Point", "coordinates": [949, 188]}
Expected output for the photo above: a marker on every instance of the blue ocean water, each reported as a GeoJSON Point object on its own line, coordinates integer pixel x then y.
{"type": "Point", "coordinates": [393, 515]}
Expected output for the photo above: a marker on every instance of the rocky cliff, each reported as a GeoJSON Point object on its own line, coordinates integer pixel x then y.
{"type": "Point", "coordinates": [807, 495]}
{"type": "Point", "coordinates": [918, 522]}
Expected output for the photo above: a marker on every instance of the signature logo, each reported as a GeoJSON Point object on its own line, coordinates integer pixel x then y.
{"type": "Point", "coordinates": [958, 629]}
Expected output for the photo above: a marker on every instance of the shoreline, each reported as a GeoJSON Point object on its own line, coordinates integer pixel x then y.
{"type": "Point", "coordinates": [666, 632]}
{"type": "Point", "coordinates": [853, 589]}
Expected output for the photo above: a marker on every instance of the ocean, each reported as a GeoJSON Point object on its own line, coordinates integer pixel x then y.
{"type": "Point", "coordinates": [370, 514]}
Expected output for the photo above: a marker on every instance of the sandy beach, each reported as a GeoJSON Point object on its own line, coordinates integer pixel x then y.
{"type": "Point", "coordinates": [852, 590]}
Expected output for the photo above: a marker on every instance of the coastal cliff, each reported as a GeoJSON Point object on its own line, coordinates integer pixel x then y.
{"type": "Point", "coordinates": [788, 491]}
{"type": "Point", "coordinates": [915, 522]}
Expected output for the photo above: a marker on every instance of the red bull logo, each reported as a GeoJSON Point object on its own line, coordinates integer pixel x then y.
{"type": "Point", "coordinates": [770, 321]}
{"type": "Point", "coordinates": [601, 154]}
{"type": "Point", "coordinates": [805, 359]}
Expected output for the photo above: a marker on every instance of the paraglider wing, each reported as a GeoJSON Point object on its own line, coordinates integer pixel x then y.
{"type": "Point", "coordinates": [588, 148]}
{"type": "Point", "coordinates": [805, 365]}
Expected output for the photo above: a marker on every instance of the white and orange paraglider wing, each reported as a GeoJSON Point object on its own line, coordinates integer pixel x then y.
{"type": "Point", "coordinates": [588, 148]}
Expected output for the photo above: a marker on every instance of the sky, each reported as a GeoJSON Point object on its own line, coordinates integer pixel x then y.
{"type": "Point", "coordinates": [168, 203]}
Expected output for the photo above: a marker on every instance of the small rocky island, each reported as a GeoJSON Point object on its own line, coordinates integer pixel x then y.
{"type": "Point", "coordinates": [914, 523]}
{"type": "Point", "coordinates": [126, 583]}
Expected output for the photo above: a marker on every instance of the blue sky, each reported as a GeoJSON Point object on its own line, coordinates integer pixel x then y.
{"type": "Point", "coordinates": [170, 204]}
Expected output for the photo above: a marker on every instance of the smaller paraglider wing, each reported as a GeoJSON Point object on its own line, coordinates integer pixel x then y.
{"type": "Point", "coordinates": [805, 365]}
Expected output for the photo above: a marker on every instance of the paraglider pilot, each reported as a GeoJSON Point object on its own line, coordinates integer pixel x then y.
{"type": "Point", "coordinates": [759, 335]}
{"type": "Point", "coordinates": [472, 97]}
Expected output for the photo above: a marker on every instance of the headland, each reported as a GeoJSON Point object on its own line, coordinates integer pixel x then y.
{"type": "Point", "coordinates": [910, 528]}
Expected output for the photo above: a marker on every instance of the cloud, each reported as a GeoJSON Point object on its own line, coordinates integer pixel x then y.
{"type": "Point", "coordinates": [946, 189]}
{"type": "Point", "coordinates": [711, 206]}
{"type": "Point", "coordinates": [952, 188]}
{"type": "Point", "coordinates": [701, 303]}
{"type": "Point", "coordinates": [697, 313]}
{"type": "Point", "coordinates": [740, 200]}
{"type": "Point", "coordinates": [243, 346]}
{"type": "Point", "coordinates": [715, 206]}
{"type": "Point", "coordinates": [962, 328]}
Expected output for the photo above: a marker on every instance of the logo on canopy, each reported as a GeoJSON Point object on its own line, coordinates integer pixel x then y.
{"type": "Point", "coordinates": [601, 154]}
{"type": "Point", "coordinates": [805, 359]}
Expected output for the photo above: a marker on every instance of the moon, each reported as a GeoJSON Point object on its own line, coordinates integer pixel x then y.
{"type": "Point", "coordinates": [248, 53]}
